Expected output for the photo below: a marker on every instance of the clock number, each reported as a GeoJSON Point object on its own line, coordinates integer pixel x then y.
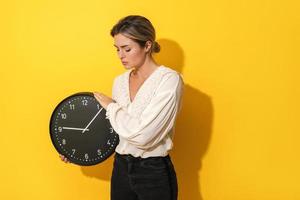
{"type": "Point", "coordinates": [64, 116]}
{"type": "Point", "coordinates": [72, 107]}
{"type": "Point", "coordinates": [98, 106]}
{"type": "Point", "coordinates": [99, 152]}
{"type": "Point", "coordinates": [64, 141]}
{"type": "Point", "coordinates": [108, 142]}
{"type": "Point", "coordinates": [60, 129]}
{"type": "Point", "coordinates": [73, 151]}
{"type": "Point", "coordinates": [111, 130]}
{"type": "Point", "coordinates": [84, 102]}
{"type": "Point", "coordinates": [86, 156]}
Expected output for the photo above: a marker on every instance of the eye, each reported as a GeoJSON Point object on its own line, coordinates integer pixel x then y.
{"type": "Point", "coordinates": [127, 50]}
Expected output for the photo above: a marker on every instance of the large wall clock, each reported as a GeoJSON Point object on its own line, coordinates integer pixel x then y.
{"type": "Point", "coordinates": [80, 131]}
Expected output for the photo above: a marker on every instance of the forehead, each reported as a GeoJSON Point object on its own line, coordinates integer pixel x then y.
{"type": "Point", "coordinates": [122, 41]}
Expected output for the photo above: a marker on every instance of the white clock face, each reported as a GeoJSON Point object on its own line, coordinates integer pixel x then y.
{"type": "Point", "coordinates": [80, 131]}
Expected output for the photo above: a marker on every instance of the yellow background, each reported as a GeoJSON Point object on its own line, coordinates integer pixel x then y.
{"type": "Point", "coordinates": [237, 136]}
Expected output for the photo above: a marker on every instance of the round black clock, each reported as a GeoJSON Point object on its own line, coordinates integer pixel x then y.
{"type": "Point", "coordinates": [80, 131]}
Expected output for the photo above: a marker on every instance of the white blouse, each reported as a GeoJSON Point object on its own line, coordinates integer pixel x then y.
{"type": "Point", "coordinates": [146, 125]}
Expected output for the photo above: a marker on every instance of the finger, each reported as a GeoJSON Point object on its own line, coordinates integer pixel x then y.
{"type": "Point", "coordinates": [98, 99]}
{"type": "Point", "coordinates": [97, 93]}
{"type": "Point", "coordinates": [63, 158]}
{"type": "Point", "coordinates": [97, 96]}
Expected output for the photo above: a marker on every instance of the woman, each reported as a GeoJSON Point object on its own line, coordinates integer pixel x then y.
{"type": "Point", "coordinates": [145, 102]}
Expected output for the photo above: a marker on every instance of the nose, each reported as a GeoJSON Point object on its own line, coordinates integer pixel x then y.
{"type": "Point", "coordinates": [121, 54]}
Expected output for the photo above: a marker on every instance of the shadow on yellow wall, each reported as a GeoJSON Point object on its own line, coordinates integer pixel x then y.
{"type": "Point", "coordinates": [193, 127]}
{"type": "Point", "coordinates": [192, 133]}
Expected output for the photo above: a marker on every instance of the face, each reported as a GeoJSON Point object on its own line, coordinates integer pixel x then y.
{"type": "Point", "coordinates": [129, 51]}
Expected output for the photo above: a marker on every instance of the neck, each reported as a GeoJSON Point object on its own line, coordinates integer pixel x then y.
{"type": "Point", "coordinates": [146, 68]}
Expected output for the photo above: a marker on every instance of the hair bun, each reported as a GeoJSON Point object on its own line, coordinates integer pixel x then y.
{"type": "Point", "coordinates": [156, 47]}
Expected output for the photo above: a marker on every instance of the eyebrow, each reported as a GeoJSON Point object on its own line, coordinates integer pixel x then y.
{"type": "Point", "coordinates": [122, 45]}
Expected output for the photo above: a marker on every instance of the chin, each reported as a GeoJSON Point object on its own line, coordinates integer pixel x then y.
{"type": "Point", "coordinates": [126, 66]}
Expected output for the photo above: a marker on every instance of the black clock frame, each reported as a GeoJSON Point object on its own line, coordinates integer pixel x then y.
{"type": "Point", "coordinates": [110, 148]}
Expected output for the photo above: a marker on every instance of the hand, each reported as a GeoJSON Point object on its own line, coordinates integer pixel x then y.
{"type": "Point", "coordinates": [103, 99]}
{"type": "Point", "coordinates": [63, 158]}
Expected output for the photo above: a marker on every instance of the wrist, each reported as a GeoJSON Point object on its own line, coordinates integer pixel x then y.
{"type": "Point", "coordinates": [109, 105]}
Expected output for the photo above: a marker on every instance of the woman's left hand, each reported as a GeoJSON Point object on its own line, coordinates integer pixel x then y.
{"type": "Point", "coordinates": [103, 99]}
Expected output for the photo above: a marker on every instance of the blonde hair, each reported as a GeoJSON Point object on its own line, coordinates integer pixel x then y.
{"type": "Point", "coordinates": [137, 28]}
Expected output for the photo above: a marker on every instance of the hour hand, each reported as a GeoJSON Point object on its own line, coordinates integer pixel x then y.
{"type": "Point", "coordinates": [73, 128]}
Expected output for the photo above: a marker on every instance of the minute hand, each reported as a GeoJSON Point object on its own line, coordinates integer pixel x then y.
{"type": "Point", "coordinates": [92, 120]}
{"type": "Point", "coordinates": [73, 128]}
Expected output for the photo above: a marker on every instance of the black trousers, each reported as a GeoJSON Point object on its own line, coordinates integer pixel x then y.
{"type": "Point", "coordinates": [151, 178]}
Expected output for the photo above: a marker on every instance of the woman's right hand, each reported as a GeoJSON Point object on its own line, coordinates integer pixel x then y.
{"type": "Point", "coordinates": [63, 158]}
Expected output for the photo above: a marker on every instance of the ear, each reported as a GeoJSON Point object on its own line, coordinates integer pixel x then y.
{"type": "Point", "coordinates": [148, 46]}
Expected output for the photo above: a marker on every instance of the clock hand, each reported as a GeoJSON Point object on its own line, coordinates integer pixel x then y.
{"type": "Point", "coordinates": [92, 120]}
{"type": "Point", "coordinates": [72, 128]}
